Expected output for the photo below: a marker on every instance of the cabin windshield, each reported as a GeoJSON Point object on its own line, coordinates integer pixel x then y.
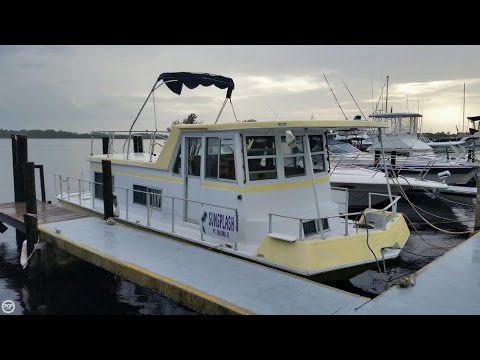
{"type": "Point", "coordinates": [342, 148]}
{"type": "Point", "coordinates": [265, 162]}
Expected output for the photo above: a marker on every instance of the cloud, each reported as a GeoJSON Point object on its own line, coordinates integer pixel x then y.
{"type": "Point", "coordinates": [286, 83]}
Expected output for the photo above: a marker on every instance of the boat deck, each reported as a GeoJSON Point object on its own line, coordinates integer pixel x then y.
{"type": "Point", "coordinates": [204, 280]}
{"type": "Point", "coordinates": [12, 214]}
{"type": "Point", "coordinates": [460, 190]}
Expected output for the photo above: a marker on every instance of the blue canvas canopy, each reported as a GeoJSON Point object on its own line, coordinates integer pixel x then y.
{"type": "Point", "coordinates": [176, 80]}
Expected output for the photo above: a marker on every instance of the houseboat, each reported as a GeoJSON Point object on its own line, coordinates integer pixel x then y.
{"type": "Point", "coordinates": [257, 190]}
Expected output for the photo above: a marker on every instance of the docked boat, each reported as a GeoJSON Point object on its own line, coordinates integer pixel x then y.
{"type": "Point", "coordinates": [407, 154]}
{"type": "Point", "coordinates": [257, 190]}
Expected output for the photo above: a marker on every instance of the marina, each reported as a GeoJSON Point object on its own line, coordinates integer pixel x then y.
{"type": "Point", "coordinates": [310, 210]}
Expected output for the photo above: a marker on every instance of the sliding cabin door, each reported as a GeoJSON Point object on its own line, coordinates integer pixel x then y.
{"type": "Point", "coordinates": [192, 182]}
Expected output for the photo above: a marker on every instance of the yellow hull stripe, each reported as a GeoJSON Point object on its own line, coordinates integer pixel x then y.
{"type": "Point", "coordinates": [220, 185]}
{"type": "Point", "coordinates": [263, 187]}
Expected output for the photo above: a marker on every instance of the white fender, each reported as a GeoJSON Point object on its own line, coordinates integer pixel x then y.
{"type": "Point", "coordinates": [116, 209]}
{"type": "Point", "coordinates": [24, 255]}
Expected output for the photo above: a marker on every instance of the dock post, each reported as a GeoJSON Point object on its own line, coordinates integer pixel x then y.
{"type": "Point", "coordinates": [31, 220]}
{"type": "Point", "coordinates": [107, 189]}
{"type": "Point", "coordinates": [476, 226]}
{"type": "Point", "coordinates": [105, 143]}
{"type": "Point", "coordinates": [42, 182]}
{"type": "Point", "coordinates": [19, 156]}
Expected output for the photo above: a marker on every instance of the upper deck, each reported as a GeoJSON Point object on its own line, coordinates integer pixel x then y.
{"type": "Point", "coordinates": [163, 160]}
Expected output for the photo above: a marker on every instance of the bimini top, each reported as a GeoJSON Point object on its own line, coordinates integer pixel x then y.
{"type": "Point", "coordinates": [473, 118]}
{"type": "Point", "coordinates": [394, 115]}
{"type": "Point", "coordinates": [329, 124]}
{"type": "Point", "coordinates": [175, 81]}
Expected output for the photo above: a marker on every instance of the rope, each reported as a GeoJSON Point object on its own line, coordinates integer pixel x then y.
{"type": "Point", "coordinates": [426, 221]}
{"type": "Point", "coordinates": [455, 202]}
{"type": "Point", "coordinates": [437, 216]}
{"type": "Point", "coordinates": [421, 237]}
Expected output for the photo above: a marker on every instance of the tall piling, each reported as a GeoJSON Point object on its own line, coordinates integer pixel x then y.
{"type": "Point", "coordinates": [107, 189]}
{"type": "Point", "coordinates": [19, 157]}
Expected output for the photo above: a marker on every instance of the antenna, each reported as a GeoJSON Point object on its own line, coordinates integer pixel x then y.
{"type": "Point", "coordinates": [278, 117]}
{"type": "Point", "coordinates": [408, 110]}
{"type": "Point", "coordinates": [354, 100]}
{"type": "Point", "coordinates": [334, 96]}
{"type": "Point", "coordinates": [463, 114]}
{"type": "Point", "coordinates": [371, 85]}
{"type": "Point", "coordinates": [380, 99]}
{"type": "Point", "coordinates": [386, 97]}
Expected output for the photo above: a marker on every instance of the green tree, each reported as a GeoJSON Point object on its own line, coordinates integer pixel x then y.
{"type": "Point", "coordinates": [190, 119]}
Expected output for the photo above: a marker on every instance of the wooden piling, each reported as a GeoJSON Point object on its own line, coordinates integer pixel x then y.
{"type": "Point", "coordinates": [31, 220]}
{"type": "Point", "coordinates": [105, 141]}
{"type": "Point", "coordinates": [42, 181]}
{"type": "Point", "coordinates": [19, 156]}
{"type": "Point", "coordinates": [107, 189]}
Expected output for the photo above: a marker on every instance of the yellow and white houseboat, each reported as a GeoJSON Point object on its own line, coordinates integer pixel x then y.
{"type": "Point", "coordinates": [257, 190]}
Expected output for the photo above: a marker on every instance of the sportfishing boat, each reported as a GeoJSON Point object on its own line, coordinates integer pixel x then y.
{"type": "Point", "coordinates": [257, 190]}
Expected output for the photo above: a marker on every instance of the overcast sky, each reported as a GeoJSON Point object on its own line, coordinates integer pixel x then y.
{"type": "Point", "coordinates": [85, 88]}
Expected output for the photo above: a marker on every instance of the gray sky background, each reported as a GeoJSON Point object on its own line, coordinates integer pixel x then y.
{"type": "Point", "coordinates": [85, 88]}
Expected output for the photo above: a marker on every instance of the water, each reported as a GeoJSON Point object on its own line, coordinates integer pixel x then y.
{"type": "Point", "coordinates": [86, 289]}
{"type": "Point", "coordinates": [90, 290]}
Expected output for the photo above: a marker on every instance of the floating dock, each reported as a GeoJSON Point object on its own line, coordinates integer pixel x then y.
{"type": "Point", "coordinates": [201, 279]}
{"type": "Point", "coordinates": [448, 285]}
{"type": "Point", "coordinates": [12, 214]}
{"type": "Point", "coordinates": [213, 283]}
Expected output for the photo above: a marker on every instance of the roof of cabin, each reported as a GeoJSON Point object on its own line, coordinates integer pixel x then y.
{"type": "Point", "coordinates": [329, 124]}
{"type": "Point", "coordinates": [394, 115]}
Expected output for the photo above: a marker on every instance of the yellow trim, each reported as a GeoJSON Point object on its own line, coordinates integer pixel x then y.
{"type": "Point", "coordinates": [162, 162]}
{"type": "Point", "coordinates": [189, 296]}
{"type": "Point", "coordinates": [328, 124]}
{"type": "Point", "coordinates": [312, 255]}
{"type": "Point", "coordinates": [172, 179]}
{"type": "Point", "coordinates": [263, 187]}
{"type": "Point", "coordinates": [165, 157]}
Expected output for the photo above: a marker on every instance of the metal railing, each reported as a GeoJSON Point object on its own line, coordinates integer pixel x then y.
{"type": "Point", "coordinates": [361, 216]}
{"type": "Point", "coordinates": [154, 136]}
{"type": "Point", "coordinates": [78, 194]}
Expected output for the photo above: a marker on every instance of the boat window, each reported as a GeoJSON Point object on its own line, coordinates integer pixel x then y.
{"type": "Point", "coordinates": [220, 162]}
{"type": "Point", "coordinates": [140, 196]}
{"type": "Point", "coordinates": [211, 172]}
{"type": "Point", "coordinates": [293, 157]}
{"type": "Point", "coordinates": [313, 226]}
{"type": "Point", "coordinates": [98, 178]}
{"type": "Point", "coordinates": [316, 149]}
{"type": "Point", "coordinates": [227, 159]}
{"type": "Point", "coordinates": [177, 167]}
{"type": "Point", "coordinates": [194, 147]}
{"type": "Point", "coordinates": [261, 157]}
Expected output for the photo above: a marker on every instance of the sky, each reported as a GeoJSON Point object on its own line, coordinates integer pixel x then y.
{"type": "Point", "coordinates": [95, 88]}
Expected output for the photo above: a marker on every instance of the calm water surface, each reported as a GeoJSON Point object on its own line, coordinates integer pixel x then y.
{"type": "Point", "coordinates": [86, 289]}
{"type": "Point", "coordinates": [90, 290]}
